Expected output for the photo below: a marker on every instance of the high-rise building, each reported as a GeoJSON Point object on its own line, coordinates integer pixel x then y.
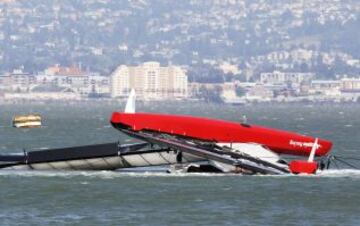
{"type": "Point", "coordinates": [150, 81]}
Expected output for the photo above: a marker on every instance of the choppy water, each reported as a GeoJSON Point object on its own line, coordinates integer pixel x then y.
{"type": "Point", "coordinates": [157, 198]}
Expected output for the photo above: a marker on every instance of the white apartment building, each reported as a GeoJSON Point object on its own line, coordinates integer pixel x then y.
{"type": "Point", "coordinates": [17, 81]}
{"type": "Point", "coordinates": [150, 81]}
{"type": "Point", "coordinates": [350, 85]}
{"type": "Point", "coordinates": [283, 77]}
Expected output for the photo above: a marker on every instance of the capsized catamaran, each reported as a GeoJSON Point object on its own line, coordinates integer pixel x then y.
{"type": "Point", "coordinates": [227, 146]}
{"type": "Point", "coordinates": [187, 144]}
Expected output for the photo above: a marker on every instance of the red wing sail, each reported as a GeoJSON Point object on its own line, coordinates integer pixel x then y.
{"type": "Point", "coordinates": [220, 131]}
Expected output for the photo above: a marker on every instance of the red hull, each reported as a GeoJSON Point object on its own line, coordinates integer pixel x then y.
{"type": "Point", "coordinates": [301, 166]}
{"type": "Point", "coordinates": [220, 131]}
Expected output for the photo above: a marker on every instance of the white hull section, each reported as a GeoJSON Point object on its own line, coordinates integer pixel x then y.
{"type": "Point", "coordinates": [254, 150]}
{"type": "Point", "coordinates": [27, 124]}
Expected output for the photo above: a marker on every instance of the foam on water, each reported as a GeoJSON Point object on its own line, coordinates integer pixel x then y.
{"type": "Point", "coordinates": [339, 173]}
{"type": "Point", "coordinates": [353, 173]}
{"type": "Point", "coordinates": [100, 174]}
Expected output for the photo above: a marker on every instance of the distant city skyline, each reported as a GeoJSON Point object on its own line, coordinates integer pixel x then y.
{"type": "Point", "coordinates": [155, 82]}
{"type": "Point", "coordinates": [256, 36]}
{"type": "Point", "coordinates": [229, 51]}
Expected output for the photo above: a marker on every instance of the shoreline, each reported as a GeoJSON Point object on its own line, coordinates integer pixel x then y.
{"type": "Point", "coordinates": [109, 101]}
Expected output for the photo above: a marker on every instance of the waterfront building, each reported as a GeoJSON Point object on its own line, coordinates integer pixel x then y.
{"type": "Point", "coordinates": [350, 85]}
{"type": "Point", "coordinates": [325, 84]}
{"type": "Point", "coordinates": [322, 86]}
{"type": "Point", "coordinates": [19, 81]}
{"type": "Point", "coordinates": [75, 79]}
{"type": "Point", "coordinates": [5, 82]}
{"type": "Point", "coordinates": [260, 92]}
{"type": "Point", "coordinates": [150, 81]}
{"type": "Point", "coordinates": [325, 87]}
{"type": "Point", "coordinates": [284, 77]}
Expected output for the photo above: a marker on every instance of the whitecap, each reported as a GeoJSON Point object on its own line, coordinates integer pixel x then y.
{"type": "Point", "coordinates": [339, 173]}
{"type": "Point", "coordinates": [144, 174]}
{"type": "Point", "coordinates": [99, 174]}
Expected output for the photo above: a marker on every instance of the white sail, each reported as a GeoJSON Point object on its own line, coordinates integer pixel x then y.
{"type": "Point", "coordinates": [130, 104]}
{"type": "Point", "coordinates": [313, 150]}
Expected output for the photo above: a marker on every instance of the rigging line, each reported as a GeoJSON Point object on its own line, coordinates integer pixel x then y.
{"type": "Point", "coordinates": [346, 163]}
{"type": "Point", "coordinates": [328, 162]}
{"type": "Point", "coordinates": [351, 158]}
{"type": "Point", "coordinates": [337, 167]}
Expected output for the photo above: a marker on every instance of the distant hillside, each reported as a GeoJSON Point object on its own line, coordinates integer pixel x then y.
{"type": "Point", "coordinates": [99, 35]}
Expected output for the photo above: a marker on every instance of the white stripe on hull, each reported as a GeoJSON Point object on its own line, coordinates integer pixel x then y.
{"type": "Point", "coordinates": [60, 165]}
{"type": "Point", "coordinates": [41, 166]}
{"type": "Point", "coordinates": [136, 160]}
{"type": "Point", "coordinates": [27, 124]}
{"type": "Point", "coordinates": [19, 167]}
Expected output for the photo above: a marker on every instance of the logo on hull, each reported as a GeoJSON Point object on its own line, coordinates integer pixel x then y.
{"type": "Point", "coordinates": [303, 144]}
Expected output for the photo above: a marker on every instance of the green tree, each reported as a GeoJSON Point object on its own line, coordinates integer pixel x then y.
{"type": "Point", "coordinates": [240, 91]}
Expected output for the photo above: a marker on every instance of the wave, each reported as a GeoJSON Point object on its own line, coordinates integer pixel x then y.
{"type": "Point", "coordinates": [340, 173]}
{"type": "Point", "coordinates": [100, 174]}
